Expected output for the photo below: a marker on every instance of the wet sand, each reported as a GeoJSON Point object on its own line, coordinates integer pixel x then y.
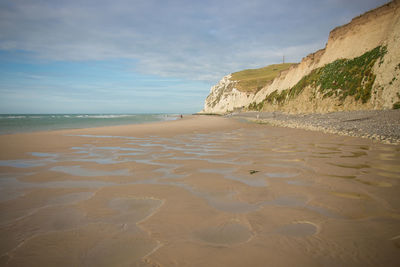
{"type": "Point", "coordinates": [202, 191]}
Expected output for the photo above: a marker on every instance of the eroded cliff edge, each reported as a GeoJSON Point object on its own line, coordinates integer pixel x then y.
{"type": "Point", "coordinates": [359, 68]}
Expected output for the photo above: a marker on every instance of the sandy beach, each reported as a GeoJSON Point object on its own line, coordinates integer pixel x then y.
{"type": "Point", "coordinates": [201, 191]}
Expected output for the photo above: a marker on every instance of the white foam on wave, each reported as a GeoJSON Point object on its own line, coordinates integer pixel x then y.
{"type": "Point", "coordinates": [168, 117]}
{"type": "Point", "coordinates": [14, 117]}
{"type": "Point", "coordinates": [104, 116]}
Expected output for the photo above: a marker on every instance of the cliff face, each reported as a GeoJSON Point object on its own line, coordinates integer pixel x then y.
{"type": "Point", "coordinates": [225, 97]}
{"type": "Point", "coordinates": [377, 28]}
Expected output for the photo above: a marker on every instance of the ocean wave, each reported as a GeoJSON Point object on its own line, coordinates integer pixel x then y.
{"type": "Point", "coordinates": [14, 117]}
{"type": "Point", "coordinates": [103, 116]}
{"type": "Point", "coordinates": [168, 117]}
{"type": "Point", "coordinates": [99, 116]}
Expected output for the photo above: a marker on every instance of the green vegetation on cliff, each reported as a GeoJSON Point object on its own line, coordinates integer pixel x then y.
{"type": "Point", "coordinates": [252, 80]}
{"type": "Point", "coordinates": [339, 79]}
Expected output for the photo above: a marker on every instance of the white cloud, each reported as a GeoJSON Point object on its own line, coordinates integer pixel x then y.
{"type": "Point", "coordinates": [198, 40]}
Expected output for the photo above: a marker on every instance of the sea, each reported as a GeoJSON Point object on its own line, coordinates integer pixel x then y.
{"type": "Point", "coordinates": [20, 123]}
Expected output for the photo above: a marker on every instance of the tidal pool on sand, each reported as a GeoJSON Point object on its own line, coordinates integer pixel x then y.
{"type": "Point", "coordinates": [226, 234]}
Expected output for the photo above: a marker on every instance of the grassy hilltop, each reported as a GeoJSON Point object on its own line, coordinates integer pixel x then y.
{"type": "Point", "coordinates": [252, 80]}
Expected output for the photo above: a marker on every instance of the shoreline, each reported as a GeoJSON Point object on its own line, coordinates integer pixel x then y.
{"type": "Point", "coordinates": [378, 125]}
{"type": "Point", "coordinates": [31, 123]}
{"type": "Point", "coordinates": [382, 126]}
{"type": "Point", "coordinates": [15, 144]}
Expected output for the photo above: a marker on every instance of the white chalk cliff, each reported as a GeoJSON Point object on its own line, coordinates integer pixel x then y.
{"type": "Point", "coordinates": [378, 27]}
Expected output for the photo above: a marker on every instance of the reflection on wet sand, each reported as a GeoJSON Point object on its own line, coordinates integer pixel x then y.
{"type": "Point", "coordinates": [227, 234]}
{"type": "Point", "coordinates": [79, 171]}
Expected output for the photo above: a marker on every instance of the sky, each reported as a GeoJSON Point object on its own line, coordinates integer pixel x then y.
{"type": "Point", "coordinates": [149, 56]}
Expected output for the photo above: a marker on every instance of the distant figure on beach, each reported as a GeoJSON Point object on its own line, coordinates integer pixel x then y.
{"type": "Point", "coordinates": [181, 116]}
